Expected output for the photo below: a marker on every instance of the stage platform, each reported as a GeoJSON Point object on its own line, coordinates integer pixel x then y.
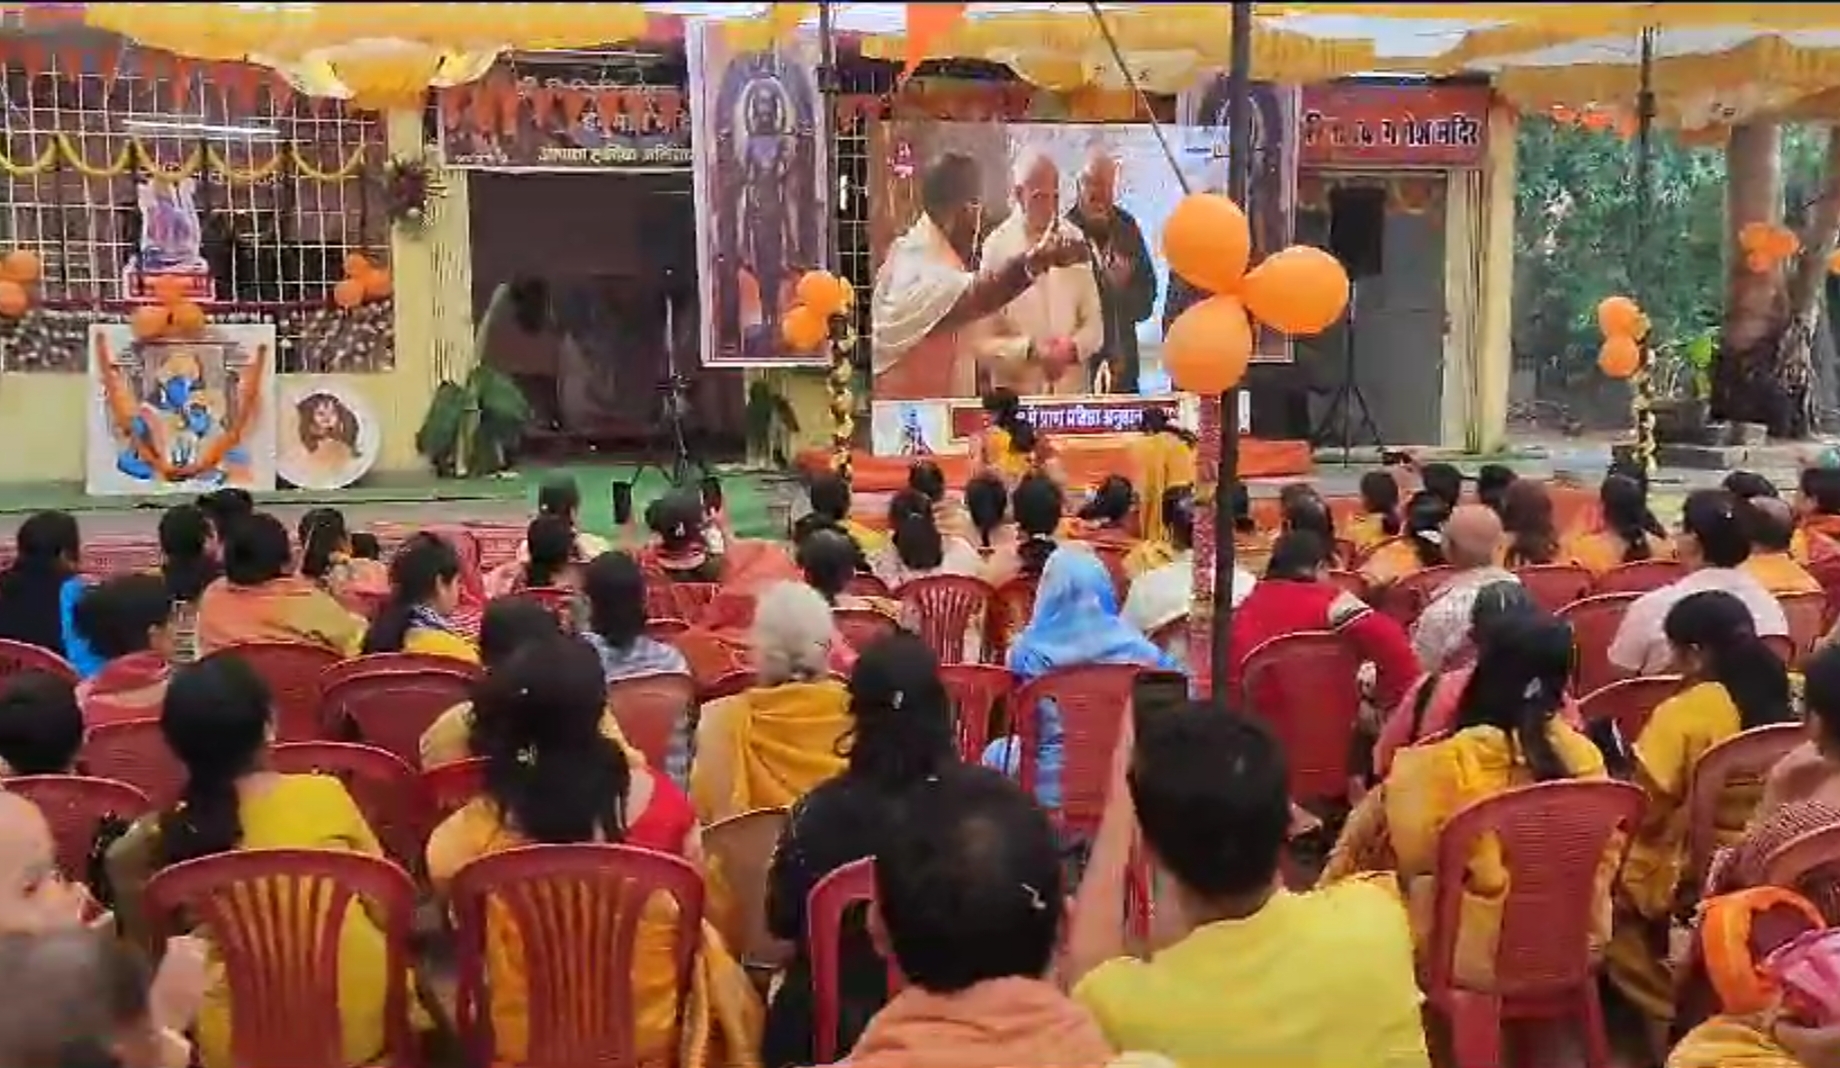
{"type": "Point", "coordinates": [1087, 459]}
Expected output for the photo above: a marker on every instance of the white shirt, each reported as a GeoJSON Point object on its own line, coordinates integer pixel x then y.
{"type": "Point", "coordinates": [1063, 302]}
{"type": "Point", "coordinates": [1641, 642]}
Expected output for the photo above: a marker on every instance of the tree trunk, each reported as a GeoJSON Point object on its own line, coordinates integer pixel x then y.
{"type": "Point", "coordinates": [1766, 370]}
{"type": "Point", "coordinates": [1744, 381]}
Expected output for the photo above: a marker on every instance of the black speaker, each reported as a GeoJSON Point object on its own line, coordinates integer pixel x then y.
{"type": "Point", "coordinates": [1357, 229]}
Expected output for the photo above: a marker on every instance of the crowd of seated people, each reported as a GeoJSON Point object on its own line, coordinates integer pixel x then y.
{"type": "Point", "coordinates": [1471, 699]}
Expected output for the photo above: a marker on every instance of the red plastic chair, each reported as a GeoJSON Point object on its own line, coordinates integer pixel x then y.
{"type": "Point", "coordinates": [1304, 686]}
{"type": "Point", "coordinates": [391, 703]}
{"type": "Point", "coordinates": [1553, 586]}
{"type": "Point", "coordinates": [862, 627]}
{"type": "Point", "coordinates": [863, 584]}
{"type": "Point", "coordinates": [498, 543]}
{"type": "Point", "coordinates": [832, 896]}
{"type": "Point", "coordinates": [1552, 837]}
{"type": "Point", "coordinates": [1628, 703]}
{"type": "Point", "coordinates": [105, 556]}
{"type": "Point", "coordinates": [292, 671]}
{"type": "Point", "coordinates": [576, 909]}
{"type": "Point", "coordinates": [648, 709]}
{"type": "Point", "coordinates": [1809, 864]}
{"type": "Point", "coordinates": [1011, 606]}
{"type": "Point", "coordinates": [1092, 700]}
{"type": "Point", "coordinates": [1737, 763]}
{"type": "Point", "coordinates": [1349, 582]}
{"type": "Point", "coordinates": [447, 788]}
{"type": "Point", "coordinates": [974, 690]}
{"type": "Point", "coordinates": [1405, 598]}
{"type": "Point", "coordinates": [665, 629]}
{"type": "Point", "coordinates": [1594, 623]}
{"type": "Point", "coordinates": [558, 601]}
{"type": "Point", "coordinates": [275, 916]}
{"type": "Point", "coordinates": [946, 608]}
{"type": "Point", "coordinates": [75, 806]}
{"type": "Point", "coordinates": [387, 790]}
{"type": "Point", "coordinates": [1639, 576]}
{"type": "Point", "coordinates": [1806, 612]}
{"type": "Point", "coordinates": [17, 657]}
{"type": "Point", "coordinates": [134, 752]}
{"type": "Point", "coordinates": [728, 684]}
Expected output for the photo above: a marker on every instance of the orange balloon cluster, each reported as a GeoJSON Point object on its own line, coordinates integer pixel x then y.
{"type": "Point", "coordinates": [807, 324]}
{"type": "Point", "coordinates": [1766, 245]}
{"type": "Point", "coordinates": [19, 270]}
{"type": "Point", "coordinates": [1624, 326]}
{"type": "Point", "coordinates": [174, 315]}
{"type": "Point", "coordinates": [1297, 290]}
{"type": "Point", "coordinates": [363, 281]}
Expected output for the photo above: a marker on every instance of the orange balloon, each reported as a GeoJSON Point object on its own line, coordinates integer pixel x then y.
{"type": "Point", "coordinates": [1207, 242]}
{"type": "Point", "coordinates": [21, 266]}
{"type": "Point", "coordinates": [378, 285]}
{"type": "Point", "coordinates": [348, 293]}
{"type": "Point", "coordinates": [1754, 236]}
{"type": "Point", "coordinates": [1833, 263]}
{"type": "Point", "coordinates": [188, 320]}
{"type": "Point", "coordinates": [1298, 290]}
{"type": "Point", "coordinates": [1208, 347]}
{"type": "Point", "coordinates": [13, 299]}
{"type": "Point", "coordinates": [357, 265]}
{"type": "Point", "coordinates": [803, 329]}
{"type": "Point", "coordinates": [168, 290]}
{"type": "Point", "coordinates": [1620, 357]}
{"type": "Point", "coordinates": [1619, 317]}
{"type": "Point", "coordinates": [150, 321]}
{"type": "Point", "coordinates": [822, 292]}
{"type": "Point", "coordinates": [1783, 242]}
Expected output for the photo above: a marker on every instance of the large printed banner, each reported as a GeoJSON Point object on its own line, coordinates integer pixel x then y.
{"type": "Point", "coordinates": [181, 416]}
{"type": "Point", "coordinates": [566, 120]}
{"type": "Point", "coordinates": [999, 186]}
{"type": "Point", "coordinates": [758, 138]}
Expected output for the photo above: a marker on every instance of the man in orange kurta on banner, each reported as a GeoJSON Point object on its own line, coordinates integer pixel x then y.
{"type": "Point", "coordinates": [933, 299]}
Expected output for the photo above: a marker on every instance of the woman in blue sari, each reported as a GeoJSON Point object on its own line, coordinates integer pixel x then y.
{"type": "Point", "coordinates": [1075, 622]}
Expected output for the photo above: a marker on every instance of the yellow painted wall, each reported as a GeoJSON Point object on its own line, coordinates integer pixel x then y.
{"type": "Point", "coordinates": [42, 415]}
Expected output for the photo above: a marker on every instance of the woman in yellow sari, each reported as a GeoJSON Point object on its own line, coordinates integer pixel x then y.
{"type": "Point", "coordinates": [1420, 548]}
{"type": "Point", "coordinates": [1010, 445]}
{"type": "Point", "coordinates": [1163, 457]}
{"type": "Point", "coordinates": [1629, 531]}
{"type": "Point", "coordinates": [258, 600]}
{"type": "Point", "coordinates": [424, 591]}
{"type": "Point", "coordinates": [1507, 734]}
{"type": "Point", "coordinates": [552, 777]}
{"type": "Point", "coordinates": [770, 745]}
{"type": "Point", "coordinates": [1734, 683]}
{"type": "Point", "coordinates": [217, 721]}
{"type": "Point", "coordinates": [1378, 518]}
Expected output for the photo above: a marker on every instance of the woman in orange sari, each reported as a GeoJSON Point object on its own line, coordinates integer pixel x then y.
{"type": "Point", "coordinates": [553, 777]}
{"type": "Point", "coordinates": [326, 558]}
{"type": "Point", "coordinates": [1629, 531]}
{"type": "Point", "coordinates": [1817, 536]}
{"type": "Point", "coordinates": [258, 600]}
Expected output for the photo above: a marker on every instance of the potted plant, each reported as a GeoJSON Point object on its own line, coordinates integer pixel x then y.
{"type": "Point", "coordinates": [1681, 377]}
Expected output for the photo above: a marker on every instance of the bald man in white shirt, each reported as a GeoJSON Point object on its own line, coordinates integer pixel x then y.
{"type": "Point", "coordinates": [1060, 314]}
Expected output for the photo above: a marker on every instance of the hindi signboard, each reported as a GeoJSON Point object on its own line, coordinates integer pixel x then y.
{"type": "Point", "coordinates": [1370, 125]}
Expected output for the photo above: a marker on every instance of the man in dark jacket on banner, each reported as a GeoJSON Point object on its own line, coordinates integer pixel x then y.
{"type": "Point", "coordinates": [1121, 262]}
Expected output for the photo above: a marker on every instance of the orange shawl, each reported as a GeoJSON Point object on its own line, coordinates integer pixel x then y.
{"type": "Point", "coordinates": [287, 609]}
{"type": "Point", "coordinates": [999, 1023]}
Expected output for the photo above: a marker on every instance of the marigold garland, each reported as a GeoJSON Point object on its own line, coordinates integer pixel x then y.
{"type": "Point", "coordinates": [136, 156]}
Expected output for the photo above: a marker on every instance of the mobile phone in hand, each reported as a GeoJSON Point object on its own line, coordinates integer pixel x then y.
{"type": "Point", "coordinates": [622, 503]}
{"type": "Point", "coordinates": [1157, 693]}
{"type": "Point", "coordinates": [712, 495]}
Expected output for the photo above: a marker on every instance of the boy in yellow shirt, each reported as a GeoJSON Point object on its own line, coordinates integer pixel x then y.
{"type": "Point", "coordinates": [1259, 976]}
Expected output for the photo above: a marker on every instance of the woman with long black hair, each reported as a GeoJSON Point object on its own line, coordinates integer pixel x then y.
{"type": "Point", "coordinates": [1508, 733]}
{"type": "Point", "coordinates": [217, 721]}
{"type": "Point", "coordinates": [1629, 532]}
{"type": "Point", "coordinates": [901, 733]}
{"type": "Point", "coordinates": [424, 591]}
{"type": "Point", "coordinates": [326, 558]}
{"type": "Point", "coordinates": [1734, 682]}
{"type": "Point", "coordinates": [39, 589]}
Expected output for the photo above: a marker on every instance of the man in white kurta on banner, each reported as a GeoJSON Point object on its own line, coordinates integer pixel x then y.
{"type": "Point", "coordinates": [935, 301]}
{"type": "Point", "coordinates": [1061, 314]}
